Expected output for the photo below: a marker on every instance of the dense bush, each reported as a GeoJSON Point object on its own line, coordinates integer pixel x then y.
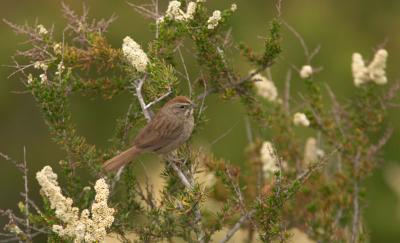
{"type": "Point", "coordinates": [287, 182]}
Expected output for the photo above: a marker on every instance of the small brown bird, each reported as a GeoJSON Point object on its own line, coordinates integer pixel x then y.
{"type": "Point", "coordinates": [170, 128]}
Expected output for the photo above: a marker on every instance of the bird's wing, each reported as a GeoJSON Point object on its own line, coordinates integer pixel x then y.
{"type": "Point", "coordinates": [160, 132]}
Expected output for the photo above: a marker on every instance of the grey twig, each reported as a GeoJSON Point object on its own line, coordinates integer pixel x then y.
{"type": "Point", "coordinates": [286, 97]}
{"type": "Point", "coordinates": [158, 99]}
{"type": "Point", "coordinates": [336, 110]}
{"type": "Point", "coordinates": [25, 176]}
{"type": "Point", "coordinates": [230, 85]}
{"type": "Point", "coordinates": [139, 85]}
{"type": "Point", "coordinates": [237, 226]}
{"type": "Point", "coordinates": [382, 141]}
{"type": "Point", "coordinates": [186, 72]}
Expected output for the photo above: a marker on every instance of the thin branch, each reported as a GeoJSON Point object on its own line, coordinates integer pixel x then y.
{"type": "Point", "coordinates": [356, 206]}
{"type": "Point", "coordinates": [300, 38]}
{"type": "Point", "coordinates": [237, 226]}
{"type": "Point", "coordinates": [382, 141]}
{"type": "Point", "coordinates": [145, 11]}
{"type": "Point", "coordinates": [186, 72]}
{"type": "Point", "coordinates": [230, 85]}
{"type": "Point", "coordinates": [286, 97]}
{"type": "Point", "coordinates": [224, 134]}
{"type": "Point", "coordinates": [181, 176]}
{"type": "Point", "coordinates": [117, 177]}
{"type": "Point", "coordinates": [158, 99]}
{"type": "Point", "coordinates": [138, 85]}
{"type": "Point", "coordinates": [249, 131]}
{"type": "Point", "coordinates": [201, 109]}
{"type": "Point", "coordinates": [336, 110]}
{"type": "Point", "coordinates": [25, 176]}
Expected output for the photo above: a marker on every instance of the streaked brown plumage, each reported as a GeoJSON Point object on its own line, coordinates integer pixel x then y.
{"type": "Point", "coordinates": [170, 127]}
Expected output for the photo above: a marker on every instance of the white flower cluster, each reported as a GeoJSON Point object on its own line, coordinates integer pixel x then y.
{"type": "Point", "coordinates": [43, 66]}
{"type": "Point", "coordinates": [265, 87]}
{"type": "Point", "coordinates": [375, 71]}
{"type": "Point", "coordinates": [40, 65]}
{"type": "Point", "coordinates": [312, 152]}
{"type": "Point", "coordinates": [135, 55]}
{"type": "Point", "coordinates": [212, 22]}
{"type": "Point", "coordinates": [306, 71]}
{"type": "Point", "coordinates": [41, 30]}
{"type": "Point", "coordinates": [57, 48]}
{"type": "Point", "coordinates": [233, 7]}
{"type": "Point", "coordinates": [86, 227]}
{"type": "Point", "coordinates": [60, 68]}
{"type": "Point", "coordinates": [300, 119]}
{"type": "Point", "coordinates": [268, 159]}
{"type": "Point", "coordinates": [175, 12]}
{"type": "Point", "coordinates": [30, 78]}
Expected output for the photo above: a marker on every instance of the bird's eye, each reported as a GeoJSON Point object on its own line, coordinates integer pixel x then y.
{"type": "Point", "coordinates": [182, 107]}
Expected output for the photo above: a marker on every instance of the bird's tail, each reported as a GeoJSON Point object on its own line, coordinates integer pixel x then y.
{"type": "Point", "coordinates": [121, 159]}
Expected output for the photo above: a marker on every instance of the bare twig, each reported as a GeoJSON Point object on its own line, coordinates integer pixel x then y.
{"type": "Point", "coordinates": [117, 177]}
{"type": "Point", "coordinates": [249, 131]}
{"type": "Point", "coordinates": [237, 226]}
{"type": "Point", "coordinates": [201, 109]}
{"type": "Point", "coordinates": [186, 72]}
{"type": "Point", "coordinates": [181, 176]}
{"type": "Point", "coordinates": [146, 10]}
{"type": "Point", "coordinates": [278, 7]}
{"type": "Point", "coordinates": [286, 97]}
{"type": "Point", "coordinates": [336, 110]}
{"type": "Point", "coordinates": [158, 99]}
{"type": "Point", "coordinates": [299, 37]}
{"type": "Point", "coordinates": [25, 176]}
{"type": "Point", "coordinates": [230, 85]}
{"type": "Point", "coordinates": [138, 85]}
{"type": "Point", "coordinates": [224, 134]}
{"type": "Point", "coordinates": [382, 141]}
{"type": "Point", "coordinates": [356, 206]}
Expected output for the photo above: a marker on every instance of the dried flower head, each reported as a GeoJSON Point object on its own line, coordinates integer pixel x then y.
{"type": "Point", "coordinates": [374, 72]}
{"type": "Point", "coordinates": [265, 87]}
{"type": "Point", "coordinates": [57, 48]}
{"type": "Point", "coordinates": [360, 72]}
{"type": "Point", "coordinates": [40, 65]}
{"type": "Point", "coordinates": [300, 119]}
{"type": "Point", "coordinates": [268, 159]}
{"type": "Point", "coordinates": [30, 78]}
{"type": "Point", "coordinates": [78, 227]}
{"type": "Point", "coordinates": [43, 78]}
{"type": "Point", "coordinates": [60, 68]}
{"type": "Point", "coordinates": [191, 10]}
{"type": "Point", "coordinates": [233, 7]}
{"type": "Point", "coordinates": [212, 22]}
{"type": "Point", "coordinates": [306, 71]}
{"type": "Point", "coordinates": [41, 30]}
{"type": "Point", "coordinates": [174, 11]}
{"type": "Point", "coordinates": [311, 151]}
{"type": "Point", "coordinates": [377, 67]}
{"type": "Point", "coordinates": [135, 55]}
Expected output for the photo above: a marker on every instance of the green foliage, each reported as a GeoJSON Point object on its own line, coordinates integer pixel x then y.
{"type": "Point", "coordinates": [325, 205]}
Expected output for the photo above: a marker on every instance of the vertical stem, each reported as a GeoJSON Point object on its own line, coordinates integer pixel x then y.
{"type": "Point", "coordinates": [356, 204]}
{"type": "Point", "coordinates": [28, 228]}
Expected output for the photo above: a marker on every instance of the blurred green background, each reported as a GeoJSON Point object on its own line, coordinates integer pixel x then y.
{"type": "Point", "coordinates": [340, 27]}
